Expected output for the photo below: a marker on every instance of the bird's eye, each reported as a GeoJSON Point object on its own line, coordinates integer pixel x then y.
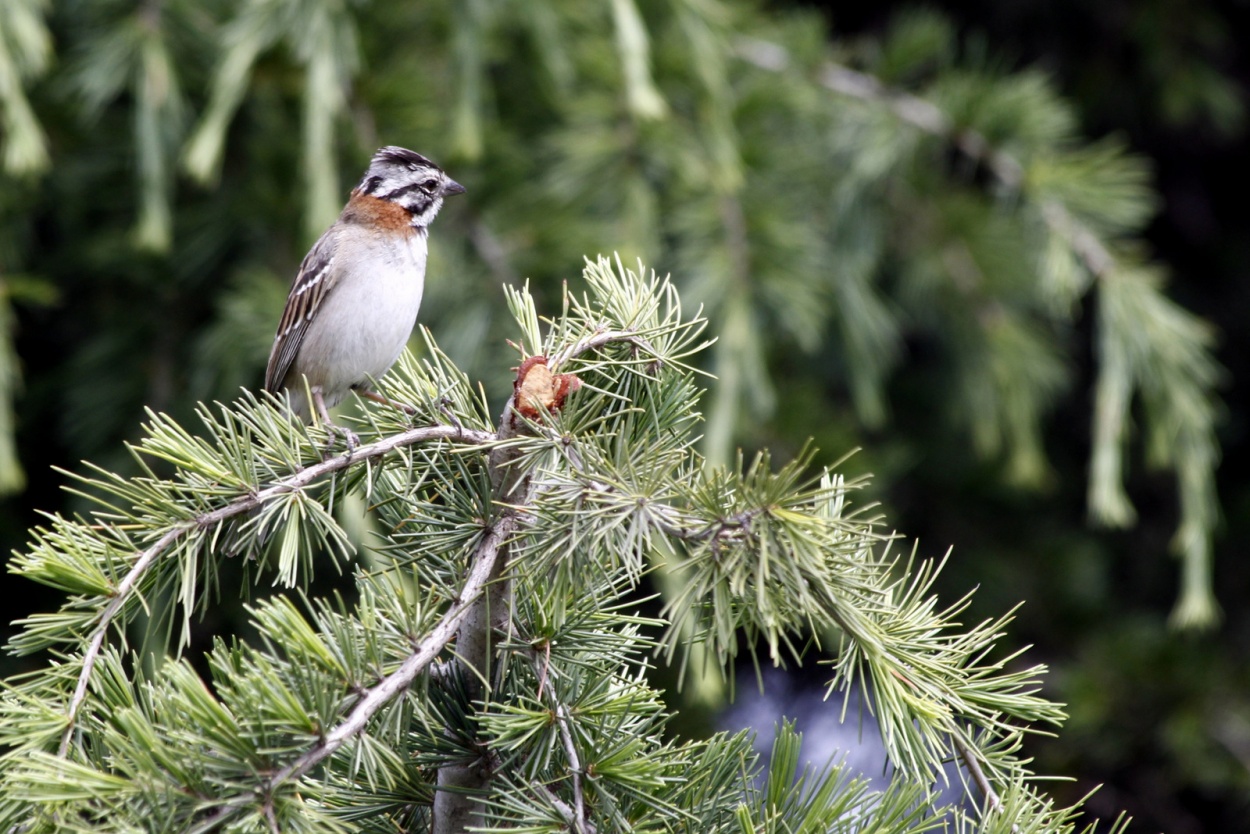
{"type": "Point", "coordinates": [428, 185]}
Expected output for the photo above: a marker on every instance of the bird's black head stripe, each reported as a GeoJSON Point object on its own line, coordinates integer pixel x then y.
{"type": "Point", "coordinates": [402, 191]}
{"type": "Point", "coordinates": [402, 156]}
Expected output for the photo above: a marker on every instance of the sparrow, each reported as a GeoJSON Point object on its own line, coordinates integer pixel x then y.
{"type": "Point", "coordinates": [354, 301]}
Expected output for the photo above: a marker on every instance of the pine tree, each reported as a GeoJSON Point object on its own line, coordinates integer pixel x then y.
{"type": "Point", "coordinates": [903, 241]}
{"type": "Point", "coordinates": [489, 670]}
{"type": "Point", "coordinates": [833, 201]}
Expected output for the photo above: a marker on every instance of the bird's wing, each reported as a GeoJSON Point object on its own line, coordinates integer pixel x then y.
{"type": "Point", "coordinates": [317, 276]}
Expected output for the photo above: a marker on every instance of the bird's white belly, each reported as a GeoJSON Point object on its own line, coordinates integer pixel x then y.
{"type": "Point", "coordinates": [366, 319]}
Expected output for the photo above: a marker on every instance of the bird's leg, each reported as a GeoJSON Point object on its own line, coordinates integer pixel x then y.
{"type": "Point", "coordinates": [378, 398]}
{"type": "Point", "coordinates": [324, 413]}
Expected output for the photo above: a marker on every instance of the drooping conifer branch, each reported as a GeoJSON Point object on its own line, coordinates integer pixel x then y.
{"type": "Point", "coordinates": [1146, 344]}
{"type": "Point", "coordinates": [928, 117]}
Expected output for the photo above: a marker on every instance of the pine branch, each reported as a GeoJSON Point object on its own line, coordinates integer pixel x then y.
{"type": "Point", "coordinates": [973, 766]}
{"type": "Point", "coordinates": [598, 339]}
{"type": "Point", "coordinates": [457, 803]}
{"type": "Point", "coordinates": [536, 388]}
{"type": "Point", "coordinates": [502, 459]}
{"type": "Point", "coordinates": [575, 815]}
{"type": "Point", "coordinates": [246, 504]}
{"type": "Point", "coordinates": [481, 614]}
{"type": "Point", "coordinates": [916, 658]}
{"type": "Point", "coordinates": [1161, 349]}
{"type": "Point", "coordinates": [928, 117]}
{"type": "Point", "coordinates": [1087, 245]}
{"type": "Point", "coordinates": [575, 769]}
{"type": "Point", "coordinates": [482, 573]}
{"type": "Point", "coordinates": [568, 503]}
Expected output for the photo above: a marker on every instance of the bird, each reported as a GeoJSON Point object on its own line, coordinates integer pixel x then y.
{"type": "Point", "coordinates": [354, 302]}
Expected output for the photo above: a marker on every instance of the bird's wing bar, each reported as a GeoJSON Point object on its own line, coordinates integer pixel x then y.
{"type": "Point", "coordinates": [314, 281]}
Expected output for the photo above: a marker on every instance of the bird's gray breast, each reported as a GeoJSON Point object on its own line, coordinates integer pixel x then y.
{"type": "Point", "coordinates": [366, 319]}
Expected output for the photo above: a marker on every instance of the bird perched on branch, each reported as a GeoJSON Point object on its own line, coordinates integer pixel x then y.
{"type": "Point", "coordinates": [354, 301]}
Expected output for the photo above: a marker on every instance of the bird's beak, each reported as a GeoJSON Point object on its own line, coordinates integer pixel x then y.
{"type": "Point", "coordinates": [452, 187]}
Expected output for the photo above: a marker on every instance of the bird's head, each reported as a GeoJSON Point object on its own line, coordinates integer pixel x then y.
{"type": "Point", "coordinates": [409, 180]}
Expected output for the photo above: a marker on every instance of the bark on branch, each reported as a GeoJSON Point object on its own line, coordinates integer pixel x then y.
{"type": "Point", "coordinates": [457, 800]}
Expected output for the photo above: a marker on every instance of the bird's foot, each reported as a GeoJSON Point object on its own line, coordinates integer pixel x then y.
{"type": "Point", "coordinates": [349, 437]}
{"type": "Point", "coordinates": [378, 398]}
